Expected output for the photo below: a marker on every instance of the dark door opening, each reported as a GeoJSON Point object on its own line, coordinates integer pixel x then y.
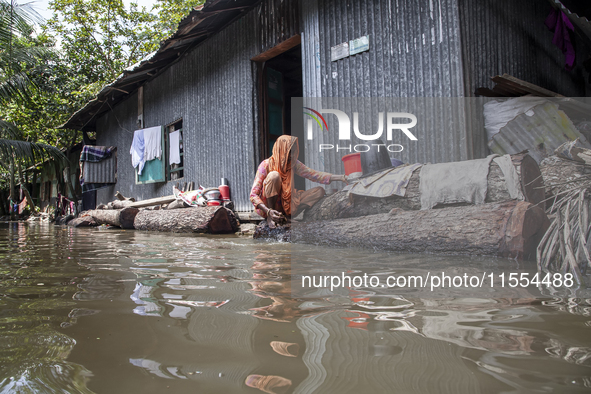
{"type": "Point", "coordinates": [282, 80]}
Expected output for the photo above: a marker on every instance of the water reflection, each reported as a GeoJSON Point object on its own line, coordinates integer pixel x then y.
{"type": "Point", "coordinates": [123, 311]}
{"type": "Point", "coordinates": [36, 299]}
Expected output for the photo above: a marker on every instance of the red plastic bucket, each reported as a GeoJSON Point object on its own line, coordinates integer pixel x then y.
{"type": "Point", "coordinates": [225, 192]}
{"type": "Point", "coordinates": [352, 163]}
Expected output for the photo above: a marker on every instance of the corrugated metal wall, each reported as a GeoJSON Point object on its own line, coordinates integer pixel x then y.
{"type": "Point", "coordinates": [101, 172]}
{"type": "Point", "coordinates": [414, 52]}
{"type": "Point", "coordinates": [277, 21]}
{"type": "Point", "coordinates": [507, 36]}
{"type": "Point", "coordinates": [213, 90]}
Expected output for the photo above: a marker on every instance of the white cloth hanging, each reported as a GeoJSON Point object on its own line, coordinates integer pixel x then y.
{"type": "Point", "coordinates": [174, 149]}
{"type": "Point", "coordinates": [153, 143]}
{"type": "Point", "coordinates": [137, 151]}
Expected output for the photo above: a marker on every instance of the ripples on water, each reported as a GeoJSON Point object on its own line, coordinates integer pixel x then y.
{"type": "Point", "coordinates": [90, 310]}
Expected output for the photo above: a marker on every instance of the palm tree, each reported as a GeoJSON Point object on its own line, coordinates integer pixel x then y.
{"type": "Point", "coordinates": [16, 23]}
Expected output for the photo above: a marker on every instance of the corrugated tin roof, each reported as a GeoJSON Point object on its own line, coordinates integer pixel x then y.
{"type": "Point", "coordinates": [195, 28]}
{"type": "Point", "coordinates": [541, 130]}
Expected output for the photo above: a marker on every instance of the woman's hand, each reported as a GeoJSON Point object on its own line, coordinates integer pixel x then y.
{"type": "Point", "coordinates": [339, 178]}
{"type": "Point", "coordinates": [275, 215]}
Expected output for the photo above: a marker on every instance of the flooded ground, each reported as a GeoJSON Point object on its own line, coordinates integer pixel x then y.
{"type": "Point", "coordinates": [114, 311]}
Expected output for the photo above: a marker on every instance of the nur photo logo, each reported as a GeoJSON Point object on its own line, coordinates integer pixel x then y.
{"type": "Point", "coordinates": [388, 121]}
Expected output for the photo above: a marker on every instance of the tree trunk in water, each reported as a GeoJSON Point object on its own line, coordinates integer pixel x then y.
{"type": "Point", "coordinates": [339, 205]}
{"type": "Point", "coordinates": [23, 182]}
{"type": "Point", "coordinates": [215, 220]}
{"type": "Point", "coordinates": [68, 180]}
{"type": "Point", "coordinates": [12, 184]}
{"type": "Point", "coordinates": [508, 229]}
{"type": "Point", "coordinates": [123, 218]}
{"type": "Point", "coordinates": [29, 199]}
{"type": "Point", "coordinates": [34, 183]}
{"type": "Point", "coordinates": [84, 221]}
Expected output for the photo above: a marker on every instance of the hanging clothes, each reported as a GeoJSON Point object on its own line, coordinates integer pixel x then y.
{"type": "Point", "coordinates": [137, 151]}
{"type": "Point", "coordinates": [174, 148]}
{"type": "Point", "coordinates": [22, 206]}
{"type": "Point", "coordinates": [95, 154]}
{"type": "Point", "coordinates": [91, 155]}
{"type": "Point", "coordinates": [152, 143]}
{"type": "Point", "coordinates": [559, 23]}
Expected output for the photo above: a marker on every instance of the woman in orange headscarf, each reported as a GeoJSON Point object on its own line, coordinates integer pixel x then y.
{"type": "Point", "coordinates": [273, 193]}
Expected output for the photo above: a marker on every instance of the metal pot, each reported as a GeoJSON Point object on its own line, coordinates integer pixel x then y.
{"type": "Point", "coordinates": [213, 194]}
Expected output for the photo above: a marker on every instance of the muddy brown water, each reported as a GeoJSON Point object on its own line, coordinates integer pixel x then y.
{"type": "Point", "coordinates": [114, 311]}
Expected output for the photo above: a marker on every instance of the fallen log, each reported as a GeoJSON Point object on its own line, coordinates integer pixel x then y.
{"type": "Point", "coordinates": [214, 220]}
{"type": "Point", "coordinates": [574, 150]}
{"type": "Point", "coordinates": [85, 221]}
{"type": "Point", "coordinates": [508, 229]}
{"type": "Point", "coordinates": [340, 205]}
{"type": "Point", "coordinates": [61, 220]}
{"type": "Point", "coordinates": [153, 201]}
{"type": "Point", "coordinates": [115, 217]}
{"type": "Point", "coordinates": [121, 201]}
{"type": "Point", "coordinates": [561, 175]}
{"type": "Point", "coordinates": [120, 204]}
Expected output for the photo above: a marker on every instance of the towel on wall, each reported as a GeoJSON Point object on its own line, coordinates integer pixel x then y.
{"type": "Point", "coordinates": [174, 149]}
{"type": "Point", "coordinates": [137, 151]}
{"type": "Point", "coordinates": [152, 143]}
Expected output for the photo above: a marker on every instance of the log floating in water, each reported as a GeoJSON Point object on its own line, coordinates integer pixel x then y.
{"type": "Point", "coordinates": [115, 217]}
{"type": "Point", "coordinates": [338, 205]}
{"type": "Point", "coordinates": [508, 229]}
{"type": "Point", "coordinates": [215, 220]}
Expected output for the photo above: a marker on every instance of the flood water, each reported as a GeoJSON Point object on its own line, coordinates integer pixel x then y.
{"type": "Point", "coordinates": [115, 311]}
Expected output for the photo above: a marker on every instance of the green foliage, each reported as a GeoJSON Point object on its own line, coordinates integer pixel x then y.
{"type": "Point", "coordinates": [46, 77]}
{"type": "Point", "coordinates": [15, 26]}
{"type": "Point", "coordinates": [100, 38]}
{"type": "Point", "coordinates": [18, 56]}
{"type": "Point", "coordinates": [170, 13]}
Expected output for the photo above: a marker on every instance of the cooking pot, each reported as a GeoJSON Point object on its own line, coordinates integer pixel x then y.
{"type": "Point", "coordinates": [212, 194]}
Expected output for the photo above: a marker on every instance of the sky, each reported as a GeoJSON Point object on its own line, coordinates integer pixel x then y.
{"type": "Point", "coordinates": [41, 6]}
